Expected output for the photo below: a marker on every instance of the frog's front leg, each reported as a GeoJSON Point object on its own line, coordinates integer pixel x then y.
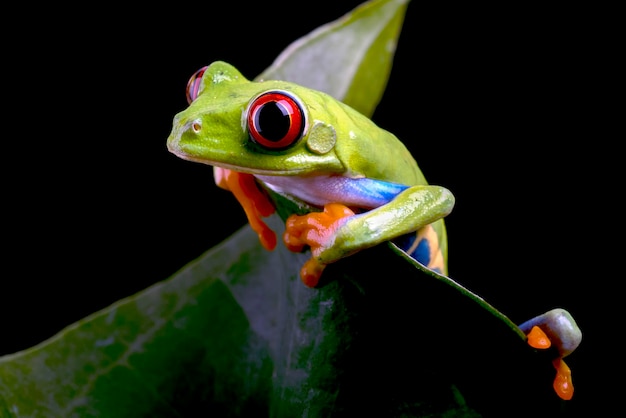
{"type": "Point", "coordinates": [338, 232]}
{"type": "Point", "coordinates": [254, 202]}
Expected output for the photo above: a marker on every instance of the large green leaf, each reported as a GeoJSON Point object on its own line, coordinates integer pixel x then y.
{"type": "Point", "coordinates": [235, 332]}
{"type": "Point", "coordinates": [356, 72]}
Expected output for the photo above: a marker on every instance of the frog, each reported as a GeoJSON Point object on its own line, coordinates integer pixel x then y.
{"type": "Point", "coordinates": [360, 181]}
{"type": "Point", "coordinates": [364, 185]}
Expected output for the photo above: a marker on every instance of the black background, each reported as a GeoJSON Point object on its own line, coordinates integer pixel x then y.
{"type": "Point", "coordinates": [500, 105]}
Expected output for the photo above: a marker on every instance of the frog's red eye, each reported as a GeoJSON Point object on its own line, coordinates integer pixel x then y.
{"type": "Point", "coordinates": [193, 85]}
{"type": "Point", "coordinates": [275, 120]}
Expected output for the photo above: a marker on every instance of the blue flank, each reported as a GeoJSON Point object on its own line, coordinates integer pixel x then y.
{"type": "Point", "coordinates": [418, 246]}
{"type": "Point", "coordinates": [374, 192]}
{"type": "Point", "coordinates": [422, 252]}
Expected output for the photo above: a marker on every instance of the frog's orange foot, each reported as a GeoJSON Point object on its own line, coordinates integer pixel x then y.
{"type": "Point", "coordinates": [315, 230]}
{"type": "Point", "coordinates": [558, 328]}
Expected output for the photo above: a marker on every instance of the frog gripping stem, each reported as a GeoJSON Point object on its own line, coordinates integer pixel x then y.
{"type": "Point", "coordinates": [555, 327]}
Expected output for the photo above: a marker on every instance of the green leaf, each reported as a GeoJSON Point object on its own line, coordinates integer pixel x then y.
{"type": "Point", "coordinates": [166, 351]}
{"type": "Point", "coordinates": [235, 332]}
{"type": "Point", "coordinates": [362, 42]}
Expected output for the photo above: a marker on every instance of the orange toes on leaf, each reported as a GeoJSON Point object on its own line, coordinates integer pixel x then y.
{"type": "Point", "coordinates": [314, 229]}
{"type": "Point", "coordinates": [538, 339]}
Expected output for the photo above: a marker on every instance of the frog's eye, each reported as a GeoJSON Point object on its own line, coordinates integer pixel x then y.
{"type": "Point", "coordinates": [275, 120]}
{"type": "Point", "coordinates": [193, 85]}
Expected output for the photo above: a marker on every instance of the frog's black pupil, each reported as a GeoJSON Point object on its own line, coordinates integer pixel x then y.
{"type": "Point", "coordinates": [273, 121]}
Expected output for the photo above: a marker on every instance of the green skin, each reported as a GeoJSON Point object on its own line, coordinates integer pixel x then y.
{"type": "Point", "coordinates": [337, 141]}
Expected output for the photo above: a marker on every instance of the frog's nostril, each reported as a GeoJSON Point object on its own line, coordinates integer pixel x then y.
{"type": "Point", "coordinates": [196, 126]}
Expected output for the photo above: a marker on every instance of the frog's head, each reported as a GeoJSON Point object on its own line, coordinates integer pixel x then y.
{"type": "Point", "coordinates": [254, 127]}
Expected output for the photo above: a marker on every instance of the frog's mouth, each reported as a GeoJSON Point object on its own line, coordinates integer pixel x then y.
{"type": "Point", "coordinates": [241, 159]}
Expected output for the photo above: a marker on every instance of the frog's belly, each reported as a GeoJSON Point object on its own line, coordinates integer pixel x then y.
{"type": "Point", "coordinates": [319, 190]}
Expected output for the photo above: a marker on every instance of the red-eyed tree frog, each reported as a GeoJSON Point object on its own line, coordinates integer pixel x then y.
{"type": "Point", "coordinates": [306, 145]}
{"type": "Point", "coordinates": [366, 186]}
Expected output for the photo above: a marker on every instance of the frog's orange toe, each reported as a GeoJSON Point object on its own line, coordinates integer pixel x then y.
{"type": "Point", "coordinates": [562, 384]}
{"type": "Point", "coordinates": [538, 339]}
{"type": "Point", "coordinates": [267, 237]}
{"type": "Point", "coordinates": [292, 237]}
{"type": "Point", "coordinates": [311, 272]}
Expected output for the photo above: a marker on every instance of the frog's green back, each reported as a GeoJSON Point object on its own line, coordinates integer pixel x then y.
{"type": "Point", "coordinates": [370, 150]}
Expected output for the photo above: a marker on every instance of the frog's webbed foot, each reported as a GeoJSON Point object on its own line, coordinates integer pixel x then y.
{"type": "Point", "coordinates": [555, 328]}
{"type": "Point", "coordinates": [316, 230]}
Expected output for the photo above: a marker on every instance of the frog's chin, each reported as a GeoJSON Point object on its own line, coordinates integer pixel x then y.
{"type": "Point", "coordinates": [233, 167]}
{"type": "Point", "coordinates": [256, 171]}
